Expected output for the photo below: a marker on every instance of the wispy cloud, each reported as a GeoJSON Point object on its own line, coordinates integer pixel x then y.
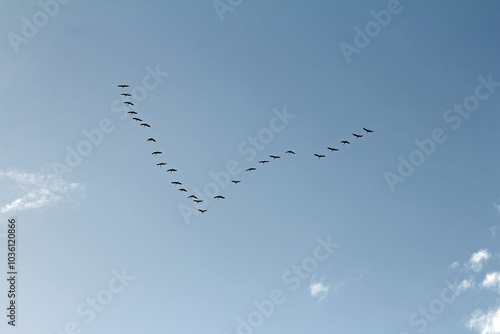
{"type": "Point", "coordinates": [494, 231]}
{"type": "Point", "coordinates": [492, 281]}
{"type": "Point", "coordinates": [464, 286]}
{"type": "Point", "coordinates": [485, 323]}
{"type": "Point", "coordinates": [478, 259]}
{"type": "Point", "coordinates": [319, 290]}
{"type": "Point", "coordinates": [33, 190]}
{"type": "Point", "coordinates": [496, 204]}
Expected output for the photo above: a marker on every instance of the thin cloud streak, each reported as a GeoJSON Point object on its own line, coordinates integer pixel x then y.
{"type": "Point", "coordinates": [34, 190]}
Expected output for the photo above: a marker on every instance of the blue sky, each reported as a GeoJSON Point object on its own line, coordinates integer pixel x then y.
{"type": "Point", "coordinates": [396, 232]}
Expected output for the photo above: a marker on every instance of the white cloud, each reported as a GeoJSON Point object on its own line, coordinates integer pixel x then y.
{"type": "Point", "coordinates": [494, 231]}
{"type": "Point", "coordinates": [478, 259]}
{"type": "Point", "coordinates": [496, 204]}
{"type": "Point", "coordinates": [485, 323]}
{"type": "Point", "coordinates": [454, 265]}
{"type": "Point", "coordinates": [33, 190]}
{"type": "Point", "coordinates": [459, 288]}
{"type": "Point", "coordinates": [319, 290]}
{"type": "Point", "coordinates": [492, 281]}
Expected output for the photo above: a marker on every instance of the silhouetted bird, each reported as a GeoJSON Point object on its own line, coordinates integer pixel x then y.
{"type": "Point", "coordinates": [198, 200]}
{"type": "Point", "coordinates": [125, 94]}
{"type": "Point", "coordinates": [182, 190]}
{"type": "Point", "coordinates": [193, 196]}
{"type": "Point", "coordinates": [344, 142]}
{"type": "Point", "coordinates": [236, 181]}
{"type": "Point", "coordinates": [129, 103]}
{"type": "Point", "coordinates": [122, 86]}
{"type": "Point", "coordinates": [332, 149]}
{"type": "Point", "coordinates": [275, 157]}
{"type": "Point", "coordinates": [176, 183]}
{"type": "Point", "coordinates": [263, 161]}
{"type": "Point", "coordinates": [290, 152]}
{"type": "Point", "coordinates": [357, 136]}
{"type": "Point", "coordinates": [137, 119]}
{"type": "Point", "coordinates": [151, 139]}
{"type": "Point", "coordinates": [156, 152]}
{"type": "Point", "coordinates": [202, 211]}
{"type": "Point", "coordinates": [250, 169]}
{"type": "Point", "coordinates": [131, 112]}
{"type": "Point", "coordinates": [367, 130]}
{"type": "Point", "coordinates": [145, 125]}
{"type": "Point", "coordinates": [219, 197]}
{"type": "Point", "coordinates": [171, 170]}
{"type": "Point", "coordinates": [161, 164]}
{"type": "Point", "coordinates": [319, 155]}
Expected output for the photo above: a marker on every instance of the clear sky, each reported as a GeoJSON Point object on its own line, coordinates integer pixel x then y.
{"type": "Point", "coordinates": [397, 232]}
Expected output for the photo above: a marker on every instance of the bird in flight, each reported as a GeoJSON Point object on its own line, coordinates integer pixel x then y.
{"type": "Point", "coordinates": [122, 86]}
{"type": "Point", "coordinates": [161, 164]}
{"type": "Point", "coordinates": [357, 136]}
{"type": "Point", "coordinates": [198, 200]}
{"type": "Point", "coordinates": [129, 103]}
{"type": "Point", "coordinates": [263, 161]}
{"type": "Point", "coordinates": [131, 112]}
{"type": "Point", "coordinates": [151, 139]}
{"type": "Point", "coordinates": [137, 119]}
{"type": "Point", "coordinates": [193, 196]}
{"type": "Point", "coordinates": [182, 190]}
{"type": "Point", "coordinates": [344, 142]}
{"type": "Point", "coordinates": [219, 197]}
{"type": "Point", "coordinates": [125, 94]}
{"type": "Point", "coordinates": [290, 152]}
{"type": "Point", "coordinates": [250, 169]}
{"type": "Point", "coordinates": [156, 152]}
{"type": "Point", "coordinates": [236, 181]}
{"type": "Point", "coordinates": [332, 149]}
{"type": "Point", "coordinates": [275, 157]}
{"type": "Point", "coordinates": [367, 130]}
{"type": "Point", "coordinates": [145, 125]}
{"type": "Point", "coordinates": [202, 211]}
{"type": "Point", "coordinates": [319, 155]}
{"type": "Point", "coordinates": [176, 183]}
{"type": "Point", "coordinates": [171, 170]}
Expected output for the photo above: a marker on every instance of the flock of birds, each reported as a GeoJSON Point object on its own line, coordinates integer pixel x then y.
{"type": "Point", "coordinates": [134, 116]}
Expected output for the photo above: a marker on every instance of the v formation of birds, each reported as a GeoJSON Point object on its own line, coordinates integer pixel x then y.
{"type": "Point", "coordinates": [134, 116]}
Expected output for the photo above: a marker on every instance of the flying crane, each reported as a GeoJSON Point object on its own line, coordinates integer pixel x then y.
{"type": "Point", "coordinates": [367, 130]}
